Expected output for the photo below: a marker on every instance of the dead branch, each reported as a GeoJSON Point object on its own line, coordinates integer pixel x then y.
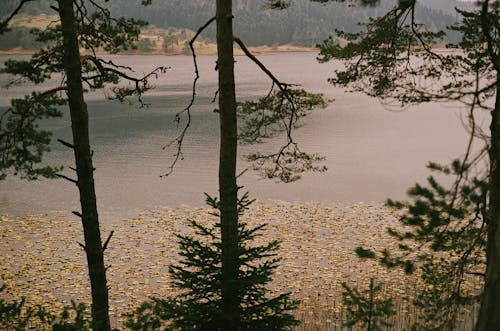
{"type": "Point", "coordinates": [282, 86]}
{"type": "Point", "coordinates": [5, 23]}
{"type": "Point", "coordinates": [82, 245]}
{"type": "Point", "coordinates": [65, 143]}
{"type": "Point", "coordinates": [180, 138]}
{"type": "Point", "coordinates": [67, 178]}
{"type": "Point", "coordinates": [107, 241]}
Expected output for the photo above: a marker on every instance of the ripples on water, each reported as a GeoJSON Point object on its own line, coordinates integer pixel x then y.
{"type": "Point", "coordinates": [372, 153]}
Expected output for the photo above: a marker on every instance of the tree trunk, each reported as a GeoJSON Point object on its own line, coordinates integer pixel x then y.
{"type": "Point", "coordinates": [227, 166]}
{"type": "Point", "coordinates": [84, 168]}
{"type": "Point", "coordinates": [489, 313]}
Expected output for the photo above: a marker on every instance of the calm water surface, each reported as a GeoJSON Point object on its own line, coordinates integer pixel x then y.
{"type": "Point", "coordinates": [371, 152]}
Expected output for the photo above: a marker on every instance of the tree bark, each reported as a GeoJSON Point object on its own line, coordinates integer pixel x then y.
{"type": "Point", "coordinates": [489, 313]}
{"type": "Point", "coordinates": [84, 168]}
{"type": "Point", "coordinates": [227, 166]}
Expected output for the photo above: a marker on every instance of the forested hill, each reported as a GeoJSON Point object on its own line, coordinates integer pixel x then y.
{"type": "Point", "coordinates": [305, 23]}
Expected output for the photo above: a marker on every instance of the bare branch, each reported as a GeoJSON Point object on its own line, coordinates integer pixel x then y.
{"type": "Point", "coordinates": [180, 138]}
{"type": "Point", "coordinates": [282, 86]}
{"type": "Point", "coordinates": [480, 274]}
{"type": "Point", "coordinates": [82, 245]}
{"type": "Point", "coordinates": [67, 178]}
{"type": "Point", "coordinates": [140, 84]}
{"type": "Point", "coordinates": [65, 143]}
{"type": "Point", "coordinates": [107, 241]}
{"type": "Point", "coordinates": [4, 24]}
{"type": "Point", "coordinates": [51, 91]}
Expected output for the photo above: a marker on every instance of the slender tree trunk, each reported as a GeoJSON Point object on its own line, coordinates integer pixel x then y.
{"type": "Point", "coordinates": [227, 166]}
{"type": "Point", "coordinates": [84, 168]}
{"type": "Point", "coordinates": [489, 313]}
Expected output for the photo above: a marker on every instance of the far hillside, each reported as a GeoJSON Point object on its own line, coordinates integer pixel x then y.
{"type": "Point", "coordinates": [305, 23]}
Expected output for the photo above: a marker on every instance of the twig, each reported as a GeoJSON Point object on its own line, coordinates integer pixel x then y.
{"type": "Point", "coordinates": [107, 241]}
{"type": "Point", "coordinates": [65, 143]}
{"type": "Point", "coordinates": [67, 178]}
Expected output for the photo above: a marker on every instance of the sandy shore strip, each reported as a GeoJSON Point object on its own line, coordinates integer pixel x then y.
{"type": "Point", "coordinates": [41, 260]}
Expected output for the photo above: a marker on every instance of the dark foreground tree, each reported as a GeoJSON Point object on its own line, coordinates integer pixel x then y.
{"type": "Point", "coordinates": [84, 169]}
{"type": "Point", "coordinates": [233, 293]}
{"type": "Point", "coordinates": [87, 25]}
{"type": "Point", "coordinates": [394, 59]}
{"type": "Point", "coordinates": [228, 189]}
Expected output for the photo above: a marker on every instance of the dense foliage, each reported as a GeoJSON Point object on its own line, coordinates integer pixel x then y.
{"type": "Point", "coordinates": [18, 315]}
{"type": "Point", "coordinates": [366, 308]}
{"type": "Point", "coordinates": [18, 37]}
{"type": "Point", "coordinates": [444, 237]}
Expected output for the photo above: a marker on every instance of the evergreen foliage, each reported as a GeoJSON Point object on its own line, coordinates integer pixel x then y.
{"type": "Point", "coordinates": [198, 277]}
{"type": "Point", "coordinates": [386, 69]}
{"type": "Point", "coordinates": [18, 315]}
{"type": "Point", "coordinates": [444, 236]}
{"type": "Point", "coordinates": [367, 308]}
{"type": "Point", "coordinates": [445, 231]}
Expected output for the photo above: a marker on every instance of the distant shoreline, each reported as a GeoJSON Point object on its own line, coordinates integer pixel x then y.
{"type": "Point", "coordinates": [210, 51]}
{"type": "Point", "coordinates": [258, 50]}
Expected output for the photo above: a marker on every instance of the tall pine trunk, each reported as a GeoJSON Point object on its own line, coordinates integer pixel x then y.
{"type": "Point", "coordinates": [489, 313]}
{"type": "Point", "coordinates": [227, 166]}
{"type": "Point", "coordinates": [84, 167]}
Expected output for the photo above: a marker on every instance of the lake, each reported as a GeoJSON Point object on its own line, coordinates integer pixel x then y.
{"type": "Point", "coordinates": [372, 152]}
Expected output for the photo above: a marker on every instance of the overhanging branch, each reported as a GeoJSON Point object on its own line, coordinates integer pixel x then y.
{"type": "Point", "coordinates": [288, 160]}
{"type": "Point", "coordinates": [282, 86]}
{"type": "Point", "coordinates": [4, 24]}
{"type": "Point", "coordinates": [180, 138]}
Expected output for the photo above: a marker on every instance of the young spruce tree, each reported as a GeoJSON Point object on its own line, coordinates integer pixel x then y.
{"type": "Point", "coordinates": [198, 277]}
